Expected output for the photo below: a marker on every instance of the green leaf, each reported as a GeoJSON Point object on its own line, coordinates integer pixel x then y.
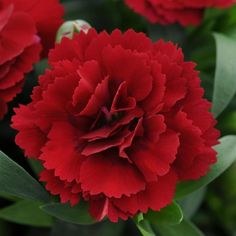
{"type": "Point", "coordinates": [9, 197]}
{"type": "Point", "coordinates": [104, 228]}
{"type": "Point", "coordinates": [77, 215]}
{"type": "Point", "coordinates": [145, 228]}
{"type": "Point", "coordinates": [226, 156]}
{"type": "Point", "coordinates": [186, 228]}
{"type": "Point", "coordinates": [143, 225]}
{"type": "Point", "coordinates": [35, 165]}
{"type": "Point", "coordinates": [14, 180]}
{"type": "Point", "coordinates": [192, 202]}
{"type": "Point", "coordinates": [225, 75]}
{"type": "Point", "coordinates": [26, 212]}
{"type": "Point", "coordinates": [169, 215]}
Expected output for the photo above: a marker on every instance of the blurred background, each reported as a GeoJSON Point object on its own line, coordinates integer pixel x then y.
{"type": "Point", "coordinates": [215, 211]}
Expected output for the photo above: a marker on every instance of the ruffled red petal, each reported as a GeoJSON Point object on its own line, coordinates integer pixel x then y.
{"type": "Point", "coordinates": [115, 177]}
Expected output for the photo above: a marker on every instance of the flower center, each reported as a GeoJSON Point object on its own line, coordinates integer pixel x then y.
{"type": "Point", "coordinates": [107, 114]}
{"type": "Point", "coordinates": [110, 116]}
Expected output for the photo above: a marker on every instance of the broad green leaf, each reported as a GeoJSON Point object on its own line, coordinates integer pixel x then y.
{"type": "Point", "coordinates": [225, 75]}
{"type": "Point", "coordinates": [14, 180]}
{"type": "Point", "coordinates": [104, 228]}
{"type": "Point", "coordinates": [26, 212]}
{"type": "Point", "coordinates": [77, 215]}
{"type": "Point", "coordinates": [226, 156]}
{"type": "Point", "coordinates": [169, 215]}
{"type": "Point", "coordinates": [228, 121]}
{"type": "Point", "coordinates": [9, 197]}
{"type": "Point", "coordinates": [35, 165]}
{"type": "Point", "coordinates": [192, 202]}
{"type": "Point", "coordinates": [186, 228]}
{"type": "Point", "coordinates": [145, 228]}
{"type": "Point", "coordinates": [143, 225]}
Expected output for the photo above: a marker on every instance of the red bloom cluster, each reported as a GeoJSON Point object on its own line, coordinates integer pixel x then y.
{"type": "Point", "coordinates": [185, 12]}
{"type": "Point", "coordinates": [25, 27]}
{"type": "Point", "coordinates": [117, 121]}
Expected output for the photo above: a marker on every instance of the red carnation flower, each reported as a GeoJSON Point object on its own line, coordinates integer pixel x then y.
{"type": "Point", "coordinates": [47, 17]}
{"type": "Point", "coordinates": [185, 12]}
{"type": "Point", "coordinates": [117, 121]}
{"type": "Point", "coordinates": [23, 25]}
